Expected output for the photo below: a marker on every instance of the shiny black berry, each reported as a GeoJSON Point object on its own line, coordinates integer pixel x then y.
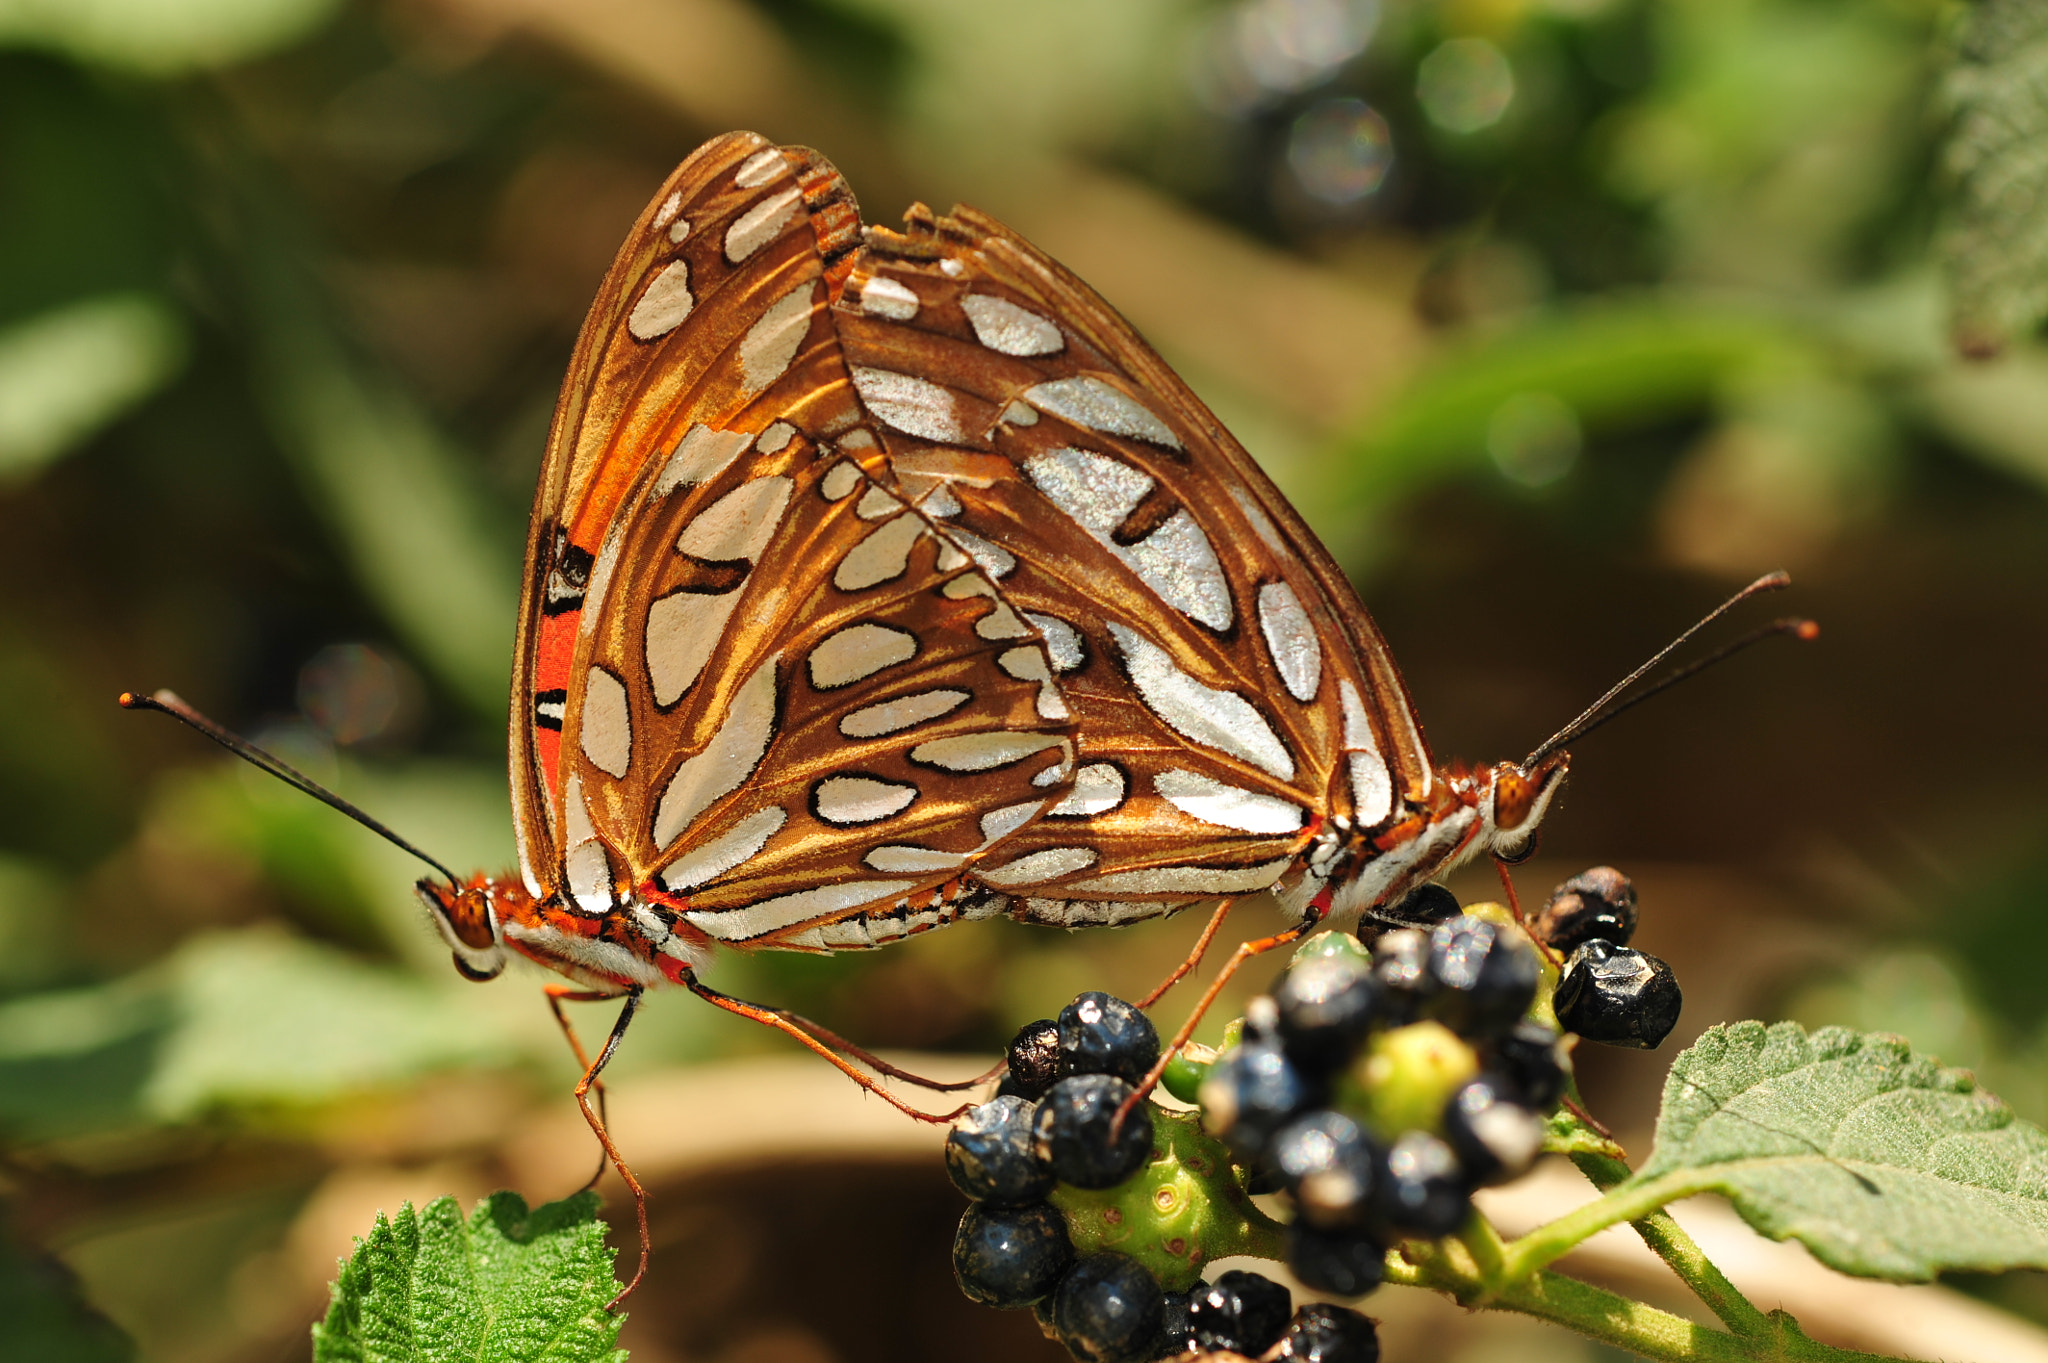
{"type": "Point", "coordinates": [1326, 1005]}
{"type": "Point", "coordinates": [1422, 1189]}
{"type": "Point", "coordinates": [1330, 1165]}
{"type": "Point", "coordinates": [1323, 1333]}
{"type": "Point", "coordinates": [989, 1154]}
{"type": "Point", "coordinates": [1344, 1263]}
{"type": "Point", "coordinates": [1531, 1058]}
{"type": "Point", "coordinates": [1108, 1310]}
{"type": "Point", "coordinates": [1010, 1256]}
{"type": "Point", "coordinates": [1176, 1336]}
{"type": "Point", "coordinates": [1601, 903]}
{"type": "Point", "coordinates": [1251, 1092]}
{"type": "Point", "coordinates": [1242, 1312]}
{"type": "Point", "coordinates": [1400, 966]}
{"type": "Point", "coordinates": [1618, 995]}
{"type": "Point", "coordinates": [1485, 975]}
{"type": "Point", "coordinates": [1101, 1034]}
{"type": "Point", "coordinates": [1422, 907]}
{"type": "Point", "coordinates": [1034, 1060]}
{"type": "Point", "coordinates": [1071, 1132]}
{"type": "Point", "coordinates": [1497, 1138]}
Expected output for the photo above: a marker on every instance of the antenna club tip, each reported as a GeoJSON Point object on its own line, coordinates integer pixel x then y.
{"type": "Point", "coordinates": [1807, 629]}
{"type": "Point", "coordinates": [127, 700]}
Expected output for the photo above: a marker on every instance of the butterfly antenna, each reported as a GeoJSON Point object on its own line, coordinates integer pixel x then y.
{"type": "Point", "coordinates": [167, 702]}
{"type": "Point", "coordinates": [1598, 713]}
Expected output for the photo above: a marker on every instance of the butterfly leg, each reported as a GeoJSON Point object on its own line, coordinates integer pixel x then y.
{"type": "Point", "coordinates": [1194, 959]}
{"type": "Point", "coordinates": [557, 995]}
{"type": "Point", "coordinates": [1507, 885]}
{"type": "Point", "coordinates": [875, 1062]}
{"type": "Point", "coordinates": [776, 1018]}
{"type": "Point", "coordinates": [590, 1114]}
{"type": "Point", "coordinates": [1244, 952]}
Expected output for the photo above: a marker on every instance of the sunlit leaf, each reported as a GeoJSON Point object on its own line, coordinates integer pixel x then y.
{"type": "Point", "coordinates": [67, 373]}
{"type": "Point", "coordinates": [151, 36]}
{"type": "Point", "coordinates": [506, 1286]}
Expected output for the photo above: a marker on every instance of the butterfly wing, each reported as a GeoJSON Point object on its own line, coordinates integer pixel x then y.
{"type": "Point", "coordinates": [1229, 689]}
{"type": "Point", "coordinates": [753, 688]}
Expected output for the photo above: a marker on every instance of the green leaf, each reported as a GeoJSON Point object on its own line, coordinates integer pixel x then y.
{"type": "Point", "coordinates": [508, 1284]}
{"type": "Point", "coordinates": [1996, 246]}
{"type": "Point", "coordinates": [67, 373]}
{"type": "Point", "coordinates": [1880, 1161]}
{"type": "Point", "coordinates": [47, 1320]}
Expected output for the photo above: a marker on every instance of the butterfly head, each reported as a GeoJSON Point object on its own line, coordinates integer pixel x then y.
{"type": "Point", "coordinates": [469, 917]}
{"type": "Point", "coordinates": [1517, 797]}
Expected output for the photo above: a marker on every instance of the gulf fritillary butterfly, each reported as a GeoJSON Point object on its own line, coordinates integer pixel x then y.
{"type": "Point", "coordinates": [880, 581]}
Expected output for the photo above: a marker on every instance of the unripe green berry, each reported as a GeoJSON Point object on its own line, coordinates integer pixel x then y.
{"type": "Point", "coordinates": [1405, 1077]}
{"type": "Point", "coordinates": [1333, 944]}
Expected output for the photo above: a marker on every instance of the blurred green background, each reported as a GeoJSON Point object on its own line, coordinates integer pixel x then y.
{"type": "Point", "coordinates": [1559, 319]}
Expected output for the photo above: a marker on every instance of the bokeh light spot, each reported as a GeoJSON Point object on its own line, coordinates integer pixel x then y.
{"type": "Point", "coordinates": [1534, 438]}
{"type": "Point", "coordinates": [1340, 151]}
{"type": "Point", "coordinates": [352, 692]}
{"type": "Point", "coordinates": [1465, 85]}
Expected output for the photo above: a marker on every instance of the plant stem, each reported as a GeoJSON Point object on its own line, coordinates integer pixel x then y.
{"type": "Point", "coordinates": [1662, 1233]}
{"type": "Point", "coordinates": [1630, 1201]}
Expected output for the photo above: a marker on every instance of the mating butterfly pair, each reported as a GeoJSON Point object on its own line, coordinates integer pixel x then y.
{"type": "Point", "coordinates": [878, 581]}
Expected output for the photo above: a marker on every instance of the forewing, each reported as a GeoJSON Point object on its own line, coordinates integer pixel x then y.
{"type": "Point", "coordinates": [753, 685]}
{"type": "Point", "coordinates": [1227, 684]}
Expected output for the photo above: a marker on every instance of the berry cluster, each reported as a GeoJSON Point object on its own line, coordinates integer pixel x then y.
{"type": "Point", "coordinates": [1609, 992]}
{"type": "Point", "coordinates": [1052, 1125]}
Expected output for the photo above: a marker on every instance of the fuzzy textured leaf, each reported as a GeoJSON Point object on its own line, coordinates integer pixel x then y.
{"type": "Point", "coordinates": [508, 1285]}
{"type": "Point", "coordinates": [1880, 1161]}
{"type": "Point", "coordinates": [1996, 154]}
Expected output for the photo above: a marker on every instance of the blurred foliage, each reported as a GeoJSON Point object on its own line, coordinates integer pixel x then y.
{"type": "Point", "coordinates": [1557, 316]}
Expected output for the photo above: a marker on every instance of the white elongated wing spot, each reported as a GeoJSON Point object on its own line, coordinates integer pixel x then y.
{"type": "Point", "coordinates": [776, 438]}
{"type": "Point", "coordinates": [1227, 806]}
{"type": "Point", "coordinates": [670, 206]}
{"type": "Point", "coordinates": [738, 925]}
{"type": "Point", "coordinates": [664, 303]}
{"type": "Point", "coordinates": [1098, 788]}
{"type": "Point", "coordinates": [589, 873]}
{"type": "Point", "coordinates": [893, 716]}
{"type": "Point", "coordinates": [701, 455]}
{"type": "Point", "coordinates": [739, 524]}
{"type": "Point", "coordinates": [1222, 720]}
{"type": "Point", "coordinates": [998, 824]}
{"type": "Point", "coordinates": [1100, 406]}
{"type": "Point", "coordinates": [1026, 663]}
{"type": "Point", "coordinates": [890, 298]}
{"type": "Point", "coordinates": [1176, 560]}
{"type": "Point", "coordinates": [1186, 880]}
{"type": "Point", "coordinates": [1002, 326]}
{"type": "Point", "coordinates": [1290, 640]}
{"type": "Point", "coordinates": [902, 859]}
{"type": "Point", "coordinates": [1035, 867]}
{"type": "Point", "coordinates": [772, 342]}
{"type": "Point", "coordinates": [1001, 623]}
{"type": "Point", "coordinates": [760, 224]}
{"type": "Point", "coordinates": [840, 480]}
{"type": "Point", "coordinates": [727, 760]}
{"type": "Point", "coordinates": [682, 630]}
{"type": "Point", "coordinates": [875, 504]}
{"type": "Point", "coordinates": [859, 651]}
{"type": "Point", "coordinates": [607, 724]}
{"type": "Point", "coordinates": [992, 558]}
{"type": "Point", "coordinates": [599, 584]}
{"type": "Point", "coordinates": [760, 168]}
{"type": "Point", "coordinates": [1372, 785]}
{"type": "Point", "coordinates": [912, 405]}
{"type": "Point", "coordinates": [982, 752]}
{"type": "Point", "coordinates": [729, 850]}
{"type": "Point", "coordinates": [1062, 641]}
{"type": "Point", "coordinates": [883, 556]}
{"type": "Point", "coordinates": [859, 799]}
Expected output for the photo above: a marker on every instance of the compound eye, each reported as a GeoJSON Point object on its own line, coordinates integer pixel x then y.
{"type": "Point", "coordinates": [469, 927]}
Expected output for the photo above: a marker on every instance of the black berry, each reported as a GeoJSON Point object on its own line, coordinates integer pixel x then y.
{"type": "Point", "coordinates": [1071, 1131]}
{"type": "Point", "coordinates": [1010, 1256]}
{"type": "Point", "coordinates": [1496, 1137]}
{"type": "Point", "coordinates": [1251, 1091]}
{"type": "Point", "coordinates": [1330, 1165]}
{"type": "Point", "coordinates": [1599, 904]}
{"type": "Point", "coordinates": [1531, 1058]}
{"type": "Point", "coordinates": [1400, 966]}
{"type": "Point", "coordinates": [1323, 1333]}
{"type": "Point", "coordinates": [1326, 1006]}
{"type": "Point", "coordinates": [1485, 974]}
{"type": "Point", "coordinates": [1176, 1336]}
{"type": "Point", "coordinates": [1108, 1310]}
{"type": "Point", "coordinates": [1618, 995]}
{"type": "Point", "coordinates": [1422, 1190]}
{"type": "Point", "coordinates": [1101, 1034]}
{"type": "Point", "coordinates": [1344, 1263]}
{"type": "Point", "coordinates": [989, 1154]}
{"type": "Point", "coordinates": [1422, 907]}
{"type": "Point", "coordinates": [1034, 1060]}
{"type": "Point", "coordinates": [1242, 1312]}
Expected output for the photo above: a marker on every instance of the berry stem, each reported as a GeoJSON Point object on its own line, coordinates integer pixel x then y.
{"type": "Point", "coordinates": [1629, 1201]}
{"type": "Point", "coordinates": [1662, 1233]}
